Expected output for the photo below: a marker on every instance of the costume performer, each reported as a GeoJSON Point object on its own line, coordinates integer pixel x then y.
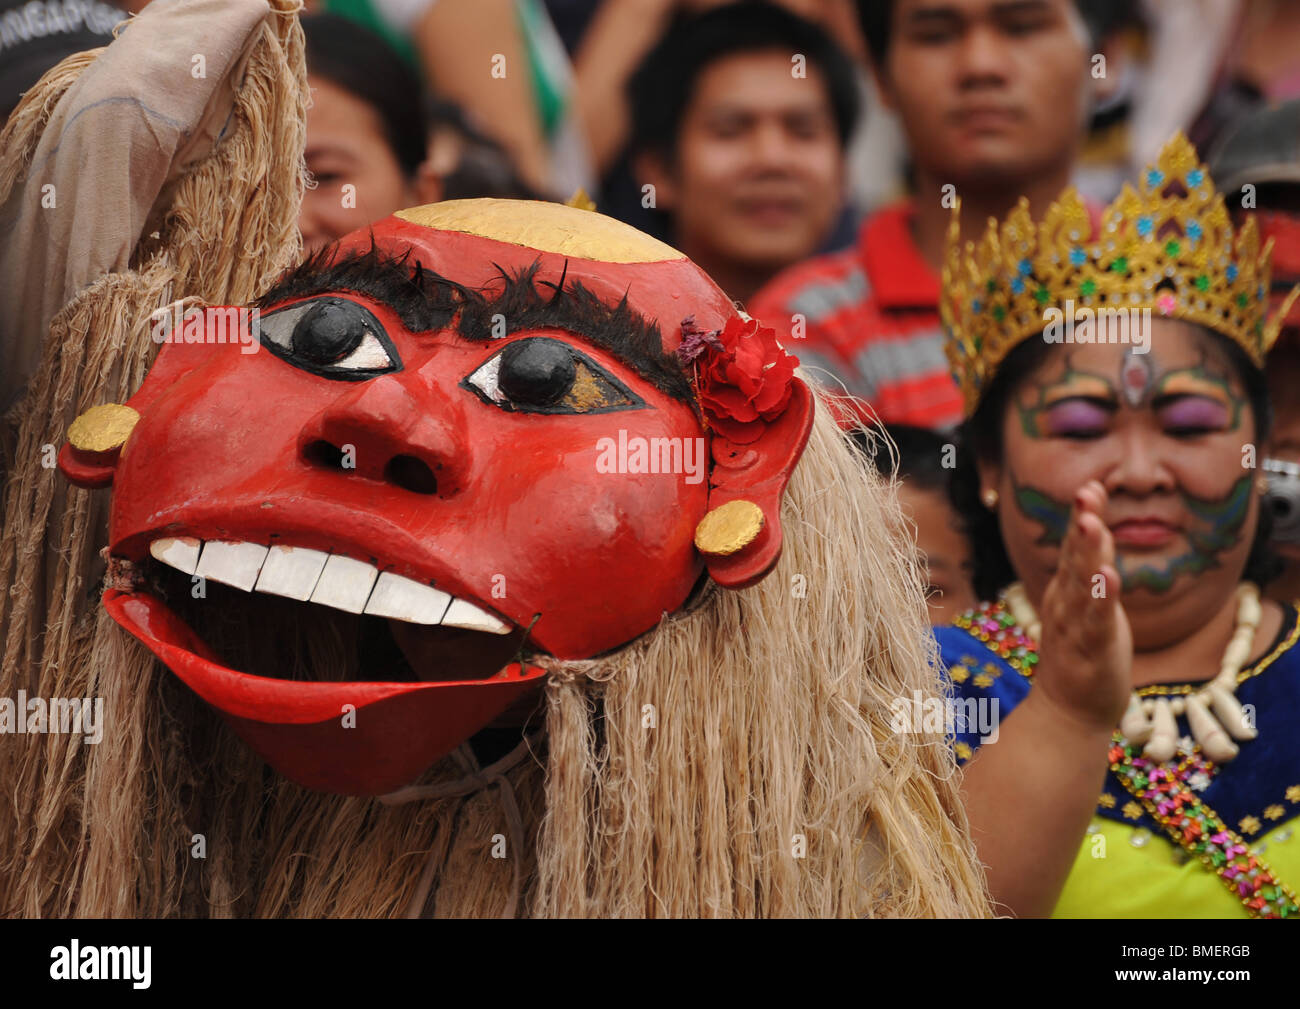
{"type": "Point", "coordinates": [1121, 527]}
{"type": "Point", "coordinates": [500, 566]}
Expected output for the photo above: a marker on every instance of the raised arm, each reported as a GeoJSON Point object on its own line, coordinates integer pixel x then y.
{"type": "Point", "coordinates": [1029, 796]}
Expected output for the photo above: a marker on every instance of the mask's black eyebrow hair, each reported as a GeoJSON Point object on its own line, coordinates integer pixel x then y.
{"type": "Point", "coordinates": [421, 298]}
{"type": "Point", "coordinates": [619, 329]}
{"type": "Point", "coordinates": [425, 300]}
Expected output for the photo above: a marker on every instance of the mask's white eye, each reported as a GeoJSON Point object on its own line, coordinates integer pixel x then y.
{"type": "Point", "coordinates": [484, 380]}
{"type": "Point", "coordinates": [543, 375]}
{"type": "Point", "coordinates": [331, 337]}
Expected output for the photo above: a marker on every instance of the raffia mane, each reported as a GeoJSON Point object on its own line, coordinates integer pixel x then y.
{"type": "Point", "coordinates": [770, 782]}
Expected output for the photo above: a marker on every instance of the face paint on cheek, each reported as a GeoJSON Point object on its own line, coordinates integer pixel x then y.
{"type": "Point", "coordinates": [1040, 507]}
{"type": "Point", "coordinates": [1223, 519]}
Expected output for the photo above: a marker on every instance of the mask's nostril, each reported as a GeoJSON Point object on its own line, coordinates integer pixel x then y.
{"type": "Point", "coordinates": [323, 453]}
{"type": "Point", "coordinates": [410, 473]}
{"type": "Point", "coordinates": [405, 471]}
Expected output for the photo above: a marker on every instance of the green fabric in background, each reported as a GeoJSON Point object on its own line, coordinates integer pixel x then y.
{"type": "Point", "coordinates": [362, 12]}
{"type": "Point", "coordinates": [548, 79]}
{"type": "Point", "coordinates": [548, 75]}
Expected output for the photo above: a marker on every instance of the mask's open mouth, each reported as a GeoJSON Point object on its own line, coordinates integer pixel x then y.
{"type": "Point", "coordinates": [385, 626]}
{"type": "Point", "coordinates": [344, 678]}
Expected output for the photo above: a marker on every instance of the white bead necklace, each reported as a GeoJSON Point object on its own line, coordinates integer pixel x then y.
{"type": "Point", "coordinates": [1152, 721]}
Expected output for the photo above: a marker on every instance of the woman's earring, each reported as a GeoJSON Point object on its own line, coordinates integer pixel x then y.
{"type": "Point", "coordinates": [990, 498]}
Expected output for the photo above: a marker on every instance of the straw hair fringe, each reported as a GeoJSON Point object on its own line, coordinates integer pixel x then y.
{"type": "Point", "coordinates": [18, 142]}
{"type": "Point", "coordinates": [98, 350]}
{"type": "Point", "coordinates": [770, 706]}
{"type": "Point", "coordinates": [771, 710]}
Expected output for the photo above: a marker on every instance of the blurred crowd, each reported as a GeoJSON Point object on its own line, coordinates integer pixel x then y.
{"type": "Point", "coordinates": [804, 153]}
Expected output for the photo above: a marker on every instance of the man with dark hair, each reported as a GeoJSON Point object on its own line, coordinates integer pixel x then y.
{"type": "Point", "coordinates": [993, 96]}
{"type": "Point", "coordinates": [740, 120]}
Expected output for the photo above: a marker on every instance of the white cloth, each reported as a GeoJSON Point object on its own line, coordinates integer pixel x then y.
{"type": "Point", "coordinates": [135, 119]}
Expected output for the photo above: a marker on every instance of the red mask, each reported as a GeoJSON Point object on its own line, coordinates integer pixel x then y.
{"type": "Point", "coordinates": [459, 424]}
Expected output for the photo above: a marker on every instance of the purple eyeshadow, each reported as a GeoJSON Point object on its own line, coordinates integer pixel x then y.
{"type": "Point", "coordinates": [1194, 412]}
{"type": "Point", "coordinates": [1073, 416]}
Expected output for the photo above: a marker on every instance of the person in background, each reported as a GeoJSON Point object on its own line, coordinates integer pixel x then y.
{"type": "Point", "coordinates": [464, 163]}
{"type": "Point", "coordinates": [611, 38]}
{"type": "Point", "coordinates": [27, 50]}
{"type": "Point", "coordinates": [740, 120]}
{"type": "Point", "coordinates": [1263, 153]}
{"type": "Point", "coordinates": [365, 132]}
{"type": "Point", "coordinates": [993, 97]}
{"type": "Point", "coordinates": [1256, 45]}
{"type": "Point", "coordinates": [502, 63]}
{"type": "Point", "coordinates": [923, 491]}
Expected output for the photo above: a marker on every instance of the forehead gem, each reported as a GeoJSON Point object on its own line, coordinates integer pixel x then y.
{"type": "Point", "coordinates": [1135, 377]}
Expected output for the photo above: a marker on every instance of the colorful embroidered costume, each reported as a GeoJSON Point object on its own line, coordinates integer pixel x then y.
{"type": "Point", "coordinates": [1185, 839]}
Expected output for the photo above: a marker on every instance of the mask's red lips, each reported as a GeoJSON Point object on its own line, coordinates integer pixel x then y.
{"type": "Point", "coordinates": [345, 737]}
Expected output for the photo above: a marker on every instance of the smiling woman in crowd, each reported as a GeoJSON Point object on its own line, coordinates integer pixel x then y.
{"type": "Point", "coordinates": [365, 132]}
{"type": "Point", "coordinates": [1144, 761]}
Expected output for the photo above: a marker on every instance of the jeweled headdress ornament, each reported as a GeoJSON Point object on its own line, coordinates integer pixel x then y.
{"type": "Point", "coordinates": [1168, 247]}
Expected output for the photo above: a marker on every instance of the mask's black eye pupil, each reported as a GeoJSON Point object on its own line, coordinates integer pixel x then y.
{"type": "Point", "coordinates": [536, 372]}
{"type": "Point", "coordinates": [329, 331]}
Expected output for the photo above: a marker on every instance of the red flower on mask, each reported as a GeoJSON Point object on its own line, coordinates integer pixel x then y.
{"type": "Point", "coordinates": [743, 376]}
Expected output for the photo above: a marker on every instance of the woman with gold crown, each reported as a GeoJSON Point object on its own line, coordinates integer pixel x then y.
{"type": "Point", "coordinates": [1133, 694]}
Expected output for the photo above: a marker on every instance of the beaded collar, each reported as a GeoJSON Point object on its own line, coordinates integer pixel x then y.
{"type": "Point", "coordinates": [993, 624]}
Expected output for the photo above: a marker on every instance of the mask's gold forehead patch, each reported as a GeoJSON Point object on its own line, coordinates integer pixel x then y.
{"type": "Point", "coordinates": [548, 227]}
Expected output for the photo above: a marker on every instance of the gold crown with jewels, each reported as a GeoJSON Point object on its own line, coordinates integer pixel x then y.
{"type": "Point", "coordinates": [1168, 247]}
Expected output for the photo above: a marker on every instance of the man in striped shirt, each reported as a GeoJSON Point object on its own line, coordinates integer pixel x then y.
{"type": "Point", "coordinates": [993, 97]}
